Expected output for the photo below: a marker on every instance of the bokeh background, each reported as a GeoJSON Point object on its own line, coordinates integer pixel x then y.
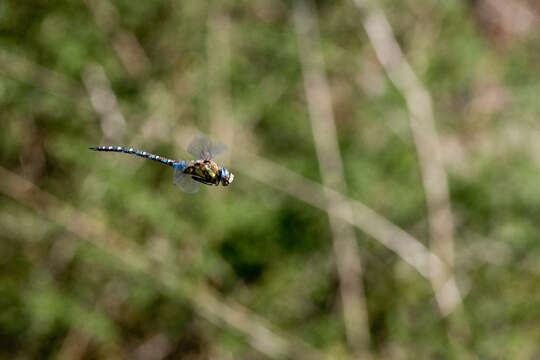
{"type": "Point", "coordinates": [386, 202]}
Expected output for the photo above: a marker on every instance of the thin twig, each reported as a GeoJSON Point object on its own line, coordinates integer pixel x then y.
{"type": "Point", "coordinates": [419, 104]}
{"type": "Point", "coordinates": [346, 251]}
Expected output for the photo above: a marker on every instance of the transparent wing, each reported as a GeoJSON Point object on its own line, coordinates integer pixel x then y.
{"type": "Point", "coordinates": [185, 182]}
{"type": "Point", "coordinates": [202, 148]}
{"type": "Point", "coordinates": [218, 148]}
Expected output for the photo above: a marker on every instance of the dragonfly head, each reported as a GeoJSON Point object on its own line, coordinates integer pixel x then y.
{"type": "Point", "coordinates": [225, 176]}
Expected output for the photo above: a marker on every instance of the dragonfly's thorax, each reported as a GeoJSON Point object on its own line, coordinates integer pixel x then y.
{"type": "Point", "coordinates": [205, 170]}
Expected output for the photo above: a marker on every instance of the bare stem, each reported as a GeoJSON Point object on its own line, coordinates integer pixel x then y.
{"type": "Point", "coordinates": [419, 104]}
{"type": "Point", "coordinates": [349, 264]}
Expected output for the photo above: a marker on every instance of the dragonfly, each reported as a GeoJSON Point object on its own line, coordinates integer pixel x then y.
{"type": "Point", "coordinates": [188, 174]}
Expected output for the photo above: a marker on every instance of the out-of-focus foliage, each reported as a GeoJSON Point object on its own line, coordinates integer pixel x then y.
{"type": "Point", "coordinates": [254, 244]}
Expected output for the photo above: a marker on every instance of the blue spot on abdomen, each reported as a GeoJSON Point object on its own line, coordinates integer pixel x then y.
{"type": "Point", "coordinates": [180, 165]}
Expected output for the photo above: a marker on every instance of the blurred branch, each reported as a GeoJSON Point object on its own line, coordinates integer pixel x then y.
{"type": "Point", "coordinates": [75, 345]}
{"type": "Point", "coordinates": [389, 235]}
{"type": "Point", "coordinates": [349, 264]}
{"type": "Point", "coordinates": [208, 303]}
{"type": "Point", "coordinates": [104, 103]}
{"type": "Point", "coordinates": [419, 104]}
{"type": "Point", "coordinates": [156, 347]}
{"type": "Point", "coordinates": [125, 44]}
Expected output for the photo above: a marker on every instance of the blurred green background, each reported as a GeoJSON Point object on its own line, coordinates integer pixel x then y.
{"type": "Point", "coordinates": [106, 259]}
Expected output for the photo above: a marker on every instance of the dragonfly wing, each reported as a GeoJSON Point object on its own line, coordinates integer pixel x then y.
{"type": "Point", "coordinates": [199, 147]}
{"type": "Point", "coordinates": [202, 148]}
{"type": "Point", "coordinates": [185, 182]}
{"type": "Point", "coordinates": [216, 149]}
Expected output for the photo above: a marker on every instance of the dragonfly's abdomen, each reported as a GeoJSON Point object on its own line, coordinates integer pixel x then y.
{"type": "Point", "coordinates": [144, 154]}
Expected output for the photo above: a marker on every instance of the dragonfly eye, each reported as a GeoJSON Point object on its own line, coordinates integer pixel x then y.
{"type": "Point", "coordinates": [225, 177]}
{"type": "Point", "coordinates": [230, 179]}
